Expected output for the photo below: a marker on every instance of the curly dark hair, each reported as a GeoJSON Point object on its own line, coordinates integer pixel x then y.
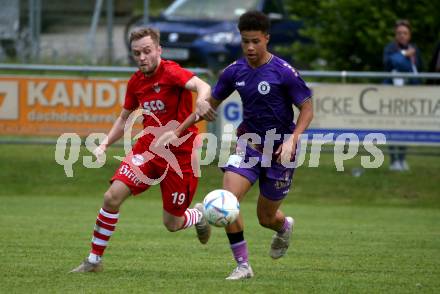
{"type": "Point", "coordinates": [254, 21]}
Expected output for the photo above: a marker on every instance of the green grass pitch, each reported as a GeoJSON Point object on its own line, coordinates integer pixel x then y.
{"type": "Point", "coordinates": [378, 233]}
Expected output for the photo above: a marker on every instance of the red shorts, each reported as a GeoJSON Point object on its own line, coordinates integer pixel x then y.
{"type": "Point", "coordinates": [141, 169]}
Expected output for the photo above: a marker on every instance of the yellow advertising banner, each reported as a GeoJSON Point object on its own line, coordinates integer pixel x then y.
{"type": "Point", "coordinates": [52, 106]}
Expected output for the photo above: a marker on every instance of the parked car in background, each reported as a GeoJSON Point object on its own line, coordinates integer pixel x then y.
{"type": "Point", "coordinates": [204, 33]}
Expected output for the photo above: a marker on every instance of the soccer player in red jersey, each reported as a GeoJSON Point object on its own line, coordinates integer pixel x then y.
{"type": "Point", "coordinates": [162, 89]}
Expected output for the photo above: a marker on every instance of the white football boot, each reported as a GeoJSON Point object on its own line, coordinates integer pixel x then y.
{"type": "Point", "coordinates": [242, 271]}
{"type": "Point", "coordinates": [86, 266]}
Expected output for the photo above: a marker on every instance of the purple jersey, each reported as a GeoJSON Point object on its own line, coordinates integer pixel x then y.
{"type": "Point", "coordinates": [267, 93]}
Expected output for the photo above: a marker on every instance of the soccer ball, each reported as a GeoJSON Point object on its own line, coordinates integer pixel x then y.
{"type": "Point", "coordinates": [221, 208]}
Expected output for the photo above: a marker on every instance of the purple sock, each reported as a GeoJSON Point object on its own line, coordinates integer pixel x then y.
{"type": "Point", "coordinates": [285, 226]}
{"type": "Point", "coordinates": [240, 252]}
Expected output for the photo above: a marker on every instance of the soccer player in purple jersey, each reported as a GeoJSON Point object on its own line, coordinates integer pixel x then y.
{"type": "Point", "coordinates": [268, 86]}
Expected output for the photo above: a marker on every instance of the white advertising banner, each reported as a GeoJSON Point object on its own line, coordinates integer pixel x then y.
{"type": "Point", "coordinates": [405, 115]}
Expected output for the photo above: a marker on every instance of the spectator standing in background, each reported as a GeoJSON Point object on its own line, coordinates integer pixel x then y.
{"type": "Point", "coordinates": [401, 56]}
{"type": "Point", "coordinates": [434, 65]}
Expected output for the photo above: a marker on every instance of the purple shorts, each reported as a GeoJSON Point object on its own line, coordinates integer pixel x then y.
{"type": "Point", "coordinates": [274, 180]}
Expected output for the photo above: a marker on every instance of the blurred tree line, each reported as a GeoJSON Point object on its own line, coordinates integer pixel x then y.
{"type": "Point", "coordinates": [351, 34]}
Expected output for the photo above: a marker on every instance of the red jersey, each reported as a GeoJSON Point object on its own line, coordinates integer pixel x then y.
{"type": "Point", "coordinates": [165, 96]}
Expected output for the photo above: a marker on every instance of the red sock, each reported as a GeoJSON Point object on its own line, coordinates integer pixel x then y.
{"type": "Point", "coordinates": [192, 216]}
{"type": "Point", "coordinates": [104, 228]}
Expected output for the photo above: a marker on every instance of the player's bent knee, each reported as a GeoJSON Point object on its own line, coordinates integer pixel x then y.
{"type": "Point", "coordinates": [112, 200]}
{"type": "Point", "coordinates": [172, 226]}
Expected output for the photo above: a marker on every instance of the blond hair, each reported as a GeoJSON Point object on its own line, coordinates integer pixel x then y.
{"type": "Point", "coordinates": [145, 32]}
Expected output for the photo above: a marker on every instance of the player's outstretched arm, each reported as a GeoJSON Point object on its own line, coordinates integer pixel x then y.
{"type": "Point", "coordinates": [170, 136]}
{"type": "Point", "coordinates": [205, 104]}
{"type": "Point", "coordinates": [115, 133]}
{"type": "Point", "coordinates": [202, 88]}
{"type": "Point", "coordinates": [203, 107]}
{"type": "Point", "coordinates": [196, 117]}
{"type": "Point", "coordinates": [206, 108]}
{"type": "Point", "coordinates": [203, 91]}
